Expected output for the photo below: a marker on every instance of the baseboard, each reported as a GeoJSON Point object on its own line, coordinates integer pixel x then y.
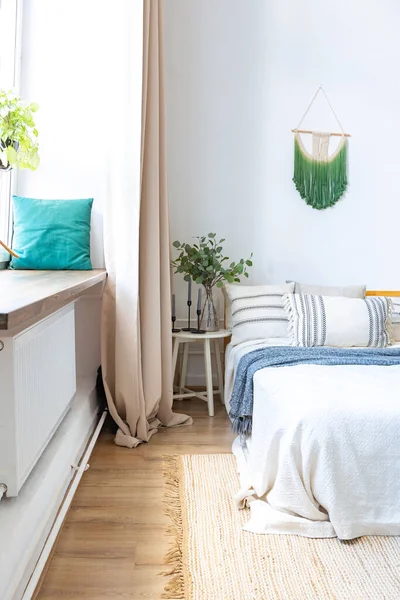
{"type": "Point", "coordinates": [198, 380]}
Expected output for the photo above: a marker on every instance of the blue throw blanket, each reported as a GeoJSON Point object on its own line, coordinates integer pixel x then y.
{"type": "Point", "coordinates": [241, 402]}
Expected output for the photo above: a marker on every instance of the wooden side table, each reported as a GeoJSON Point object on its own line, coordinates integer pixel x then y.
{"type": "Point", "coordinates": [212, 337]}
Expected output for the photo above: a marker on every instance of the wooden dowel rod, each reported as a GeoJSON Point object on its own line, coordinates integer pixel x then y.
{"type": "Point", "coordinates": [307, 131]}
{"type": "Point", "coordinates": [8, 249]}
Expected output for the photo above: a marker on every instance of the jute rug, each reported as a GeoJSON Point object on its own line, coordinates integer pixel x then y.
{"type": "Point", "coordinates": [212, 558]}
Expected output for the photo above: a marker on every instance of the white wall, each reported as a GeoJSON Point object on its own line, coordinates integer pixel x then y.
{"type": "Point", "coordinates": [239, 77]}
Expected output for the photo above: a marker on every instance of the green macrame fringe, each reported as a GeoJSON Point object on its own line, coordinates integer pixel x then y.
{"type": "Point", "coordinates": [320, 183]}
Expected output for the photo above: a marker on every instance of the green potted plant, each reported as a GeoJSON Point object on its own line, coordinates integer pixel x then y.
{"type": "Point", "coordinates": [204, 263]}
{"type": "Point", "coordinates": [18, 143]}
{"type": "Point", "coordinates": [18, 134]}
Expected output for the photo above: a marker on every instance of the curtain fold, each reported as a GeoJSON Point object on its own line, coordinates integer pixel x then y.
{"type": "Point", "coordinates": [136, 325]}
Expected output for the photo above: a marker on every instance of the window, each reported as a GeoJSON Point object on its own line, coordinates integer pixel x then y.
{"type": "Point", "coordinates": [9, 21]}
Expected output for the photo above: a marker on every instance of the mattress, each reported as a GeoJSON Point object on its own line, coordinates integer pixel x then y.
{"type": "Point", "coordinates": [323, 457]}
{"type": "Point", "coordinates": [233, 354]}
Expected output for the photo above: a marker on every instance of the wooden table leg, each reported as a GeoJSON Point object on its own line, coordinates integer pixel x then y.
{"type": "Point", "coordinates": [208, 368]}
{"type": "Point", "coordinates": [174, 360]}
{"type": "Point", "coordinates": [219, 370]}
{"type": "Point", "coordinates": [182, 383]}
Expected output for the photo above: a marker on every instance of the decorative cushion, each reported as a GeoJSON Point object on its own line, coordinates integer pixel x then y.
{"type": "Point", "coordinates": [258, 311]}
{"type": "Point", "coordinates": [347, 291]}
{"type": "Point", "coordinates": [338, 321]}
{"type": "Point", "coordinates": [51, 234]}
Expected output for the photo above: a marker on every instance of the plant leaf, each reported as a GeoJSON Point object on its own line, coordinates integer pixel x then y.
{"type": "Point", "coordinates": [3, 158]}
{"type": "Point", "coordinates": [35, 161]}
{"type": "Point", "coordinates": [11, 155]}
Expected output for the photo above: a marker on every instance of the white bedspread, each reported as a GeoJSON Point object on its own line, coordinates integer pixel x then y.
{"type": "Point", "coordinates": [234, 354]}
{"type": "Point", "coordinates": [324, 456]}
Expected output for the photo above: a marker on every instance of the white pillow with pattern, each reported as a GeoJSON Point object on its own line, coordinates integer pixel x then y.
{"type": "Point", "coordinates": [257, 312]}
{"type": "Point", "coordinates": [340, 322]}
{"type": "Point", "coordinates": [348, 291]}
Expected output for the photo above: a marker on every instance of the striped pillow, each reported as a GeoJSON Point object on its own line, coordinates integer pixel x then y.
{"type": "Point", "coordinates": [257, 311]}
{"type": "Point", "coordinates": [338, 321]}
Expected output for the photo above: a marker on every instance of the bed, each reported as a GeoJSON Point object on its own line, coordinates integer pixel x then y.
{"type": "Point", "coordinates": [323, 457]}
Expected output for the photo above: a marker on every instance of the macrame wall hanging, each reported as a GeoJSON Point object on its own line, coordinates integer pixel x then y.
{"type": "Point", "coordinates": [319, 178]}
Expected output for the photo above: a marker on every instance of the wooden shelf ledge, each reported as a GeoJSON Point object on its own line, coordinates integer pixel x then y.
{"type": "Point", "coordinates": [32, 295]}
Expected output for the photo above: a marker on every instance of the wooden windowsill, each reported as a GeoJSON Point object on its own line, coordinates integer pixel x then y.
{"type": "Point", "coordinates": [28, 295]}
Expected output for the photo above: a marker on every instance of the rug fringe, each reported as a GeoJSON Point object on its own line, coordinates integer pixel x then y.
{"type": "Point", "coordinates": [175, 588]}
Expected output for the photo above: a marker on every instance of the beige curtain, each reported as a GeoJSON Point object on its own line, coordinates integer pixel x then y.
{"type": "Point", "coordinates": [136, 325]}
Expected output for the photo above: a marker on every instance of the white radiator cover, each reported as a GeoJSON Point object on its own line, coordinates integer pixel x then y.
{"type": "Point", "coordinates": [37, 385]}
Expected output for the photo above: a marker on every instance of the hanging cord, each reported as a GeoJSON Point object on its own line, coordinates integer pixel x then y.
{"type": "Point", "coordinates": [320, 89]}
{"type": "Point", "coordinates": [332, 109]}
{"type": "Point", "coordinates": [309, 106]}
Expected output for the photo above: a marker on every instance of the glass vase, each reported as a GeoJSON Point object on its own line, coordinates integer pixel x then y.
{"type": "Point", "coordinates": [210, 310]}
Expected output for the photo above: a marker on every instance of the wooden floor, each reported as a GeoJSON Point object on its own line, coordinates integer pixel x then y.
{"type": "Point", "coordinates": [112, 543]}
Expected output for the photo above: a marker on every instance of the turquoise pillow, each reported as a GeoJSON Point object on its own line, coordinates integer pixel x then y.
{"type": "Point", "coordinates": [51, 234]}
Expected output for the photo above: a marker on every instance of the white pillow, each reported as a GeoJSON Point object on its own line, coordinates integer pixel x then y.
{"type": "Point", "coordinates": [338, 321]}
{"type": "Point", "coordinates": [257, 311]}
{"type": "Point", "coordinates": [346, 291]}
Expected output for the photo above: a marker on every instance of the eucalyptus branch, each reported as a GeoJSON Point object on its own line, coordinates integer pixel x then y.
{"type": "Point", "coordinates": [203, 262]}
